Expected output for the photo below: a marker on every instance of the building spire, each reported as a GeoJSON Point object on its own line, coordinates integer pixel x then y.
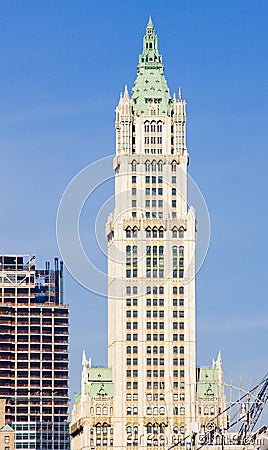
{"type": "Point", "coordinates": [126, 96]}
{"type": "Point", "coordinates": [150, 24]}
{"type": "Point", "coordinates": [150, 87]}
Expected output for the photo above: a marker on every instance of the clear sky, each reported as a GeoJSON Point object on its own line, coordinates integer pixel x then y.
{"type": "Point", "coordinates": [62, 67]}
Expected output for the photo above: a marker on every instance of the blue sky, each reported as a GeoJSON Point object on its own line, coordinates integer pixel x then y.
{"type": "Point", "coordinates": [62, 67]}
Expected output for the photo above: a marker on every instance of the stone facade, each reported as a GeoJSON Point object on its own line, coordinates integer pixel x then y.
{"type": "Point", "coordinates": [151, 277]}
{"type": "Point", "coordinates": [93, 409]}
{"type": "Point", "coordinates": [211, 399]}
{"type": "Point", "coordinates": [151, 263]}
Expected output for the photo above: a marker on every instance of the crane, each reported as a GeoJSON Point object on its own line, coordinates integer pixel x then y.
{"type": "Point", "coordinates": [253, 414]}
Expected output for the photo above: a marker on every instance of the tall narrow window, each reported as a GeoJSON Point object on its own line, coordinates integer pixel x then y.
{"type": "Point", "coordinates": [159, 127]}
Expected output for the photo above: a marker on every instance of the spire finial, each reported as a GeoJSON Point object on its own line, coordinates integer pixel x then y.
{"type": "Point", "coordinates": [150, 23]}
{"type": "Point", "coordinates": [126, 95]}
{"type": "Point", "coordinates": [179, 95]}
{"type": "Point", "coordinates": [84, 359]}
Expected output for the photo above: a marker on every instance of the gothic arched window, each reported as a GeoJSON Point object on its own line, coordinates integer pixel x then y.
{"type": "Point", "coordinates": [146, 127]}
{"type": "Point", "coordinates": [153, 127]}
{"type": "Point", "coordinates": [173, 166]}
{"type": "Point", "coordinates": [159, 127]}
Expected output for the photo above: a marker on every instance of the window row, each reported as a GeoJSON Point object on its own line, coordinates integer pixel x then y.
{"type": "Point", "coordinates": [155, 385]}
{"type": "Point", "coordinates": [160, 314]}
{"type": "Point", "coordinates": [153, 191]}
{"type": "Point", "coordinates": [133, 325]}
{"type": "Point", "coordinates": [132, 349]}
{"type": "Point", "coordinates": [155, 361]}
{"type": "Point", "coordinates": [178, 273]}
{"type": "Point", "coordinates": [131, 261]}
{"type": "Point", "coordinates": [155, 350]}
{"type": "Point", "coordinates": [153, 126]}
{"type": "Point", "coordinates": [103, 428]}
{"type": "Point", "coordinates": [130, 397]}
{"type": "Point", "coordinates": [155, 411]}
{"type": "Point", "coordinates": [155, 428]}
{"type": "Point", "coordinates": [153, 151]}
{"type": "Point", "coordinates": [131, 232]}
{"type": "Point", "coordinates": [134, 290]}
{"type": "Point", "coordinates": [176, 396]}
{"type": "Point", "coordinates": [134, 302]}
{"type": "Point", "coordinates": [132, 362]}
{"type": "Point", "coordinates": [176, 373]}
{"type": "Point", "coordinates": [176, 385]}
{"type": "Point", "coordinates": [131, 373]}
{"type": "Point", "coordinates": [130, 313]}
{"type": "Point", "coordinates": [178, 232]}
{"type": "Point", "coordinates": [132, 385]}
{"type": "Point", "coordinates": [132, 411]}
{"type": "Point", "coordinates": [133, 337]}
{"type": "Point", "coordinates": [155, 273]}
{"type": "Point", "coordinates": [178, 350]}
{"type": "Point", "coordinates": [207, 411]}
{"type": "Point", "coordinates": [155, 373]}
{"type": "Point", "coordinates": [154, 250]}
{"type": "Point", "coordinates": [154, 215]}
{"type": "Point", "coordinates": [101, 410]}
{"type": "Point", "coordinates": [155, 337]}
{"type": "Point", "coordinates": [178, 337]}
{"type": "Point", "coordinates": [177, 362]}
{"type": "Point", "coordinates": [178, 262]}
{"type": "Point", "coordinates": [155, 302]}
{"type": "Point", "coordinates": [176, 429]}
{"type": "Point", "coordinates": [131, 274]}
{"type": "Point", "coordinates": [155, 325]}
{"type": "Point", "coordinates": [133, 251]}
{"type": "Point", "coordinates": [153, 179]}
{"type": "Point", "coordinates": [153, 204]}
{"type": "Point", "coordinates": [152, 166]}
{"type": "Point", "coordinates": [155, 232]}
{"type": "Point", "coordinates": [153, 140]}
{"type": "Point", "coordinates": [155, 289]}
{"type": "Point", "coordinates": [175, 250]}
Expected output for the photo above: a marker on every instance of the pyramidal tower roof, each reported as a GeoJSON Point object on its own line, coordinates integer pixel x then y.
{"type": "Point", "coordinates": [150, 87]}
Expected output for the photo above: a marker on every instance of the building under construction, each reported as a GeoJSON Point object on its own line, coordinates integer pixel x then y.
{"type": "Point", "coordinates": [34, 358]}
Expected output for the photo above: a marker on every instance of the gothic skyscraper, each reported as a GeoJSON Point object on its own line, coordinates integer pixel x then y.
{"type": "Point", "coordinates": [149, 394]}
{"type": "Point", "coordinates": [151, 254]}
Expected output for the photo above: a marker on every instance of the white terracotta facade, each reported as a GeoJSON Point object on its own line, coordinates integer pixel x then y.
{"type": "Point", "coordinates": [151, 274]}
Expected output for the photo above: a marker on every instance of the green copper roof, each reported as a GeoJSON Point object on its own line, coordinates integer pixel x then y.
{"type": "Point", "coordinates": [100, 382]}
{"type": "Point", "coordinates": [150, 86]}
{"type": "Point", "coordinates": [100, 374]}
{"type": "Point", "coordinates": [6, 428]}
{"type": "Point", "coordinates": [208, 383]}
{"type": "Point", "coordinates": [77, 398]}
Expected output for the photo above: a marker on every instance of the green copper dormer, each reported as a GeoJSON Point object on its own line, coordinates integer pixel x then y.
{"type": "Point", "coordinates": [150, 88]}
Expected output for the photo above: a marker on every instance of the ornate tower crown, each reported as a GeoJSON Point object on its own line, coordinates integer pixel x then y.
{"type": "Point", "coordinates": [150, 87]}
